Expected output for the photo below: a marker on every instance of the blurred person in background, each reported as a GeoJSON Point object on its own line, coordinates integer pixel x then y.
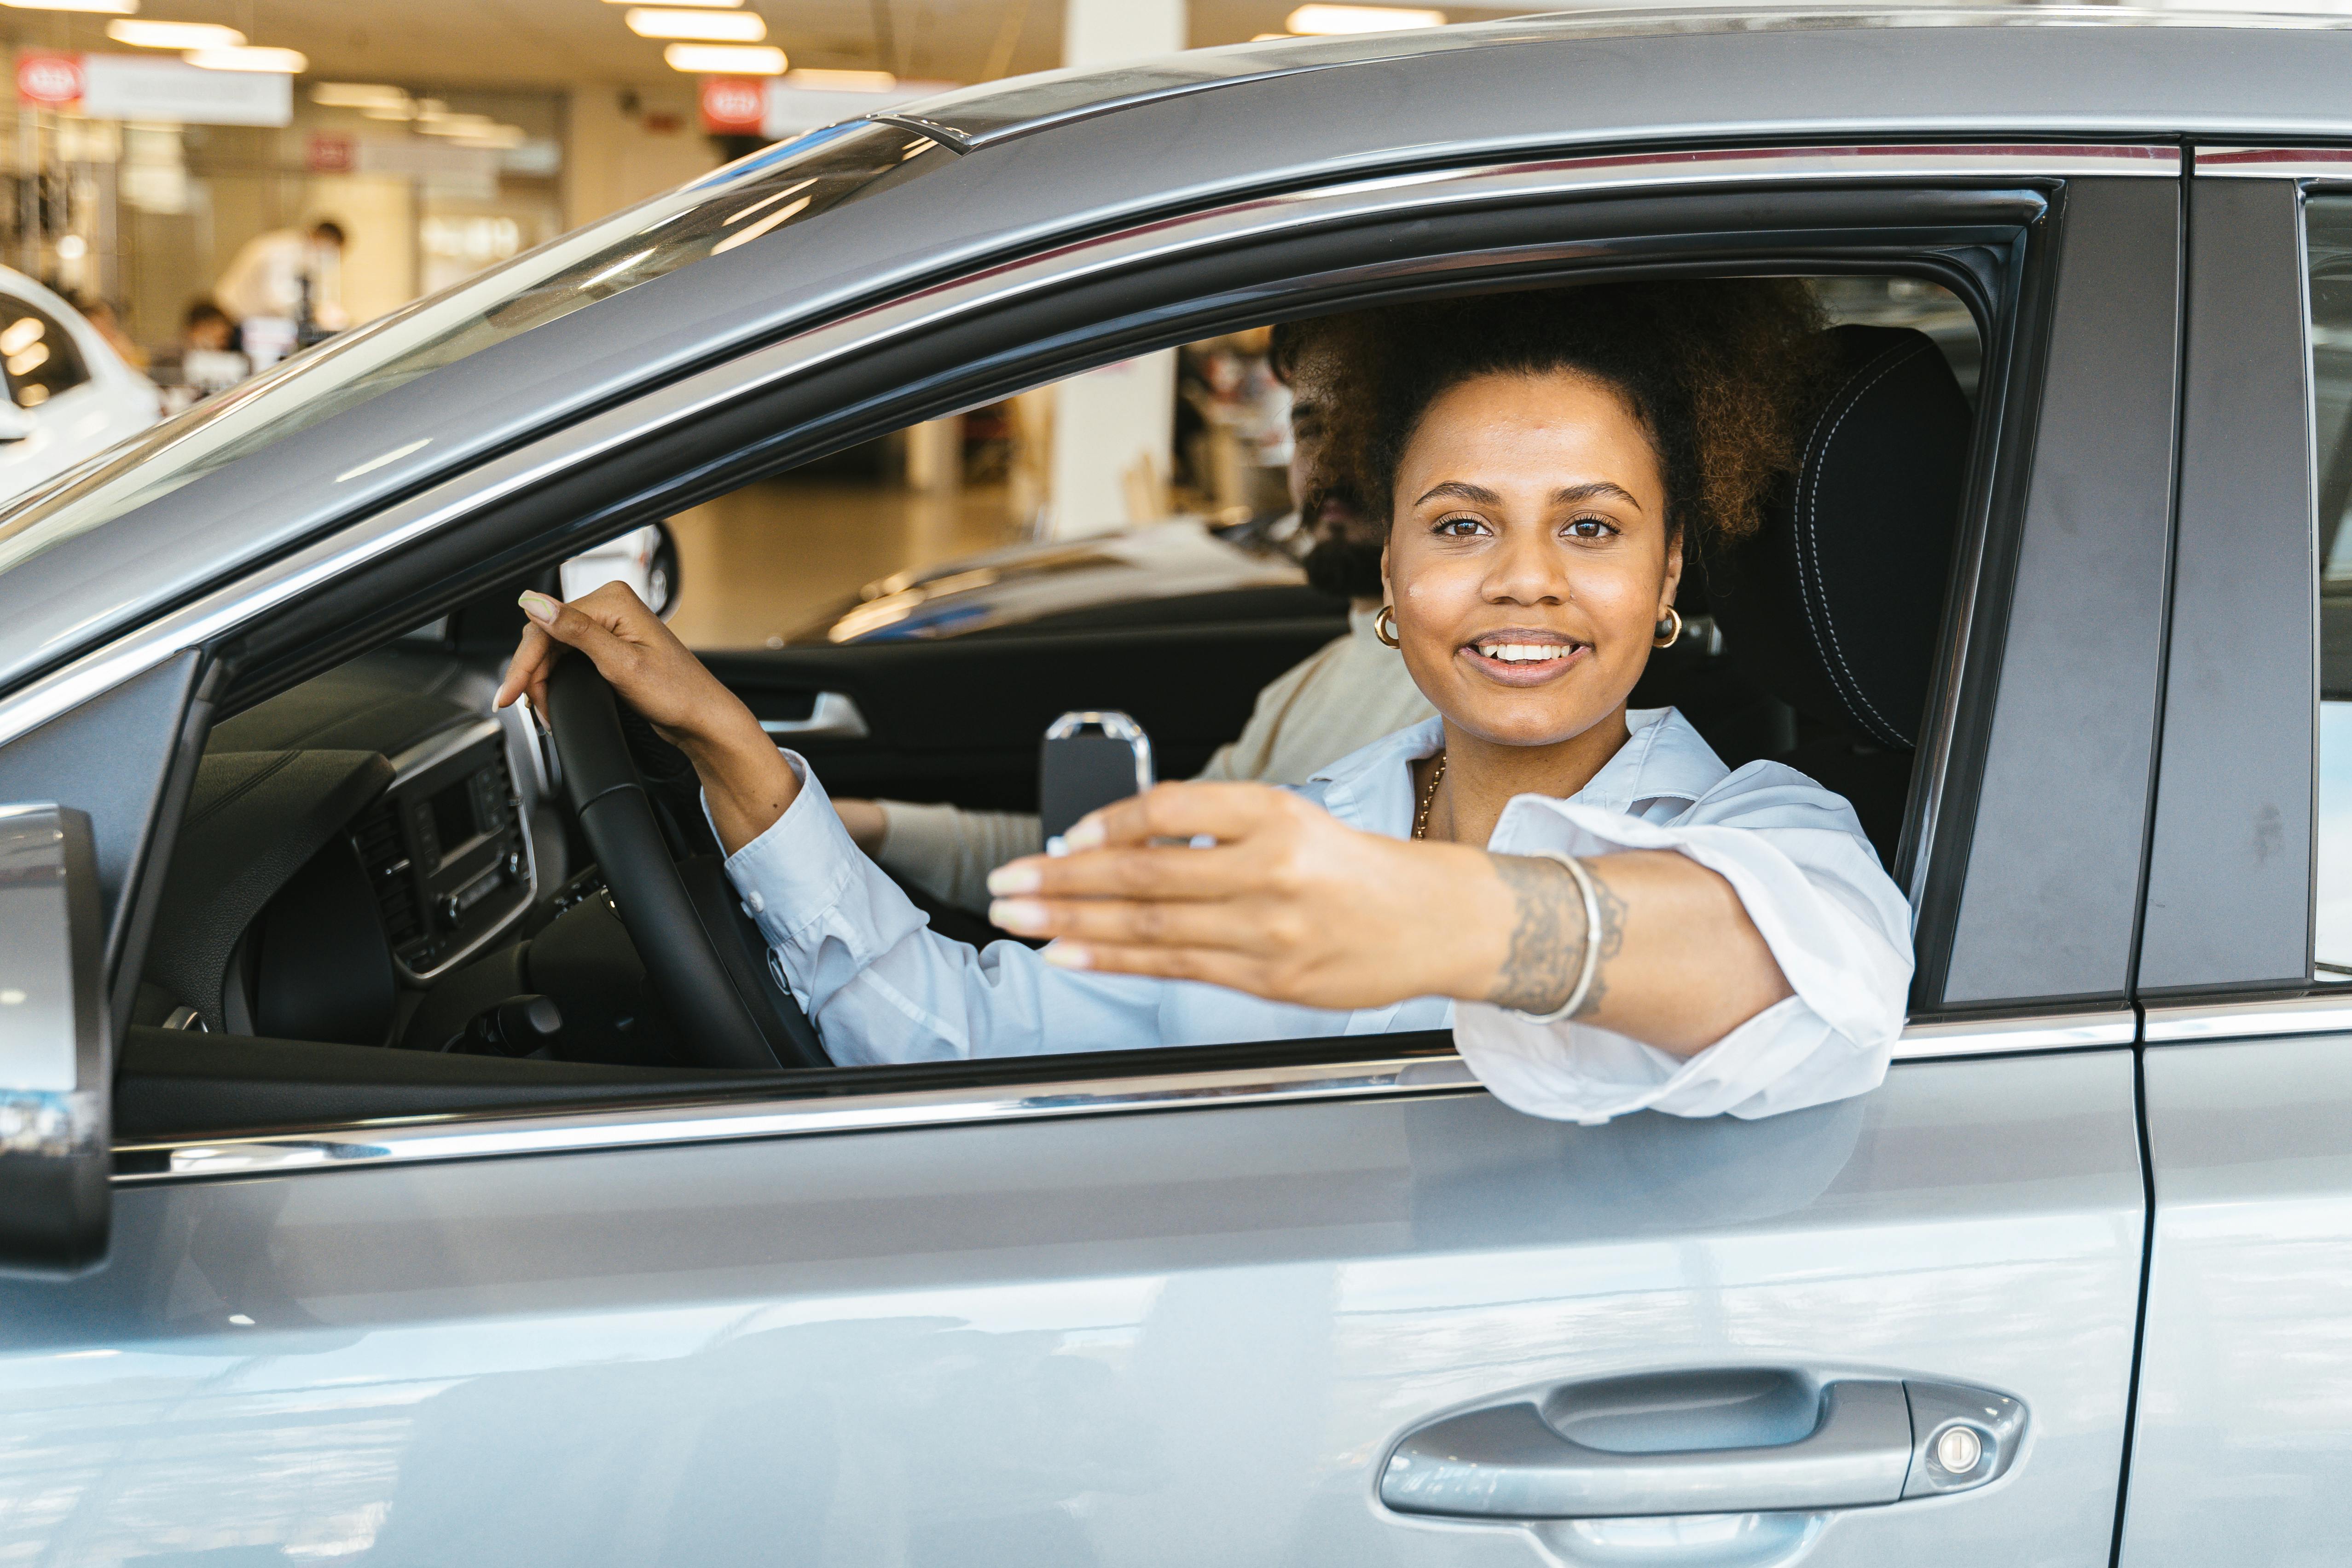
{"type": "Point", "coordinates": [285, 286]}
{"type": "Point", "coordinates": [1343, 696]}
{"type": "Point", "coordinates": [207, 330]}
{"type": "Point", "coordinates": [100, 313]}
{"type": "Point", "coordinates": [211, 356]}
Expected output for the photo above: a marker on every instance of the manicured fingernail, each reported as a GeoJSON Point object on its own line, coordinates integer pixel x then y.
{"type": "Point", "coordinates": [1009, 879]}
{"type": "Point", "coordinates": [1063, 955]}
{"type": "Point", "coordinates": [537, 606]}
{"type": "Point", "coordinates": [1087, 835]}
{"type": "Point", "coordinates": [1017, 915]}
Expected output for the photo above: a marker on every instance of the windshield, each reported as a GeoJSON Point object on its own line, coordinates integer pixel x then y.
{"type": "Point", "coordinates": [737, 205]}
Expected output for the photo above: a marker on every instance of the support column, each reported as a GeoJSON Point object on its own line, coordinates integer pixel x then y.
{"type": "Point", "coordinates": [1114, 428]}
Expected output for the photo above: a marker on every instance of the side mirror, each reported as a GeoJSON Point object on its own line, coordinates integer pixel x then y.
{"type": "Point", "coordinates": [15, 424]}
{"type": "Point", "coordinates": [55, 1066]}
{"type": "Point", "coordinates": [661, 572]}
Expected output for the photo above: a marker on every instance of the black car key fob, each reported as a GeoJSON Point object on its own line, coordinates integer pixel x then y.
{"type": "Point", "coordinates": [1086, 761]}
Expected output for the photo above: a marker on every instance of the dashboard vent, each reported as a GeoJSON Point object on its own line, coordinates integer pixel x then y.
{"type": "Point", "coordinates": [385, 856]}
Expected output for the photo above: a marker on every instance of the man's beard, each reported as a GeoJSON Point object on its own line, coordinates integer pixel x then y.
{"type": "Point", "coordinates": [1339, 565]}
{"type": "Point", "coordinates": [1344, 568]}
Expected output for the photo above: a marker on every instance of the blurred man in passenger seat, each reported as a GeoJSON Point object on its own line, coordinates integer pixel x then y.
{"type": "Point", "coordinates": [1347, 695]}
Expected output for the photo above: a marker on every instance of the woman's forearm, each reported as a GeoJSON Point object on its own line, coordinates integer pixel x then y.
{"type": "Point", "coordinates": [746, 781]}
{"type": "Point", "coordinates": [1678, 964]}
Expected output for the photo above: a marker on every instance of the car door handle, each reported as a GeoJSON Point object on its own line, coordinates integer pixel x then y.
{"type": "Point", "coordinates": [1638, 1446]}
{"type": "Point", "coordinates": [832, 717]}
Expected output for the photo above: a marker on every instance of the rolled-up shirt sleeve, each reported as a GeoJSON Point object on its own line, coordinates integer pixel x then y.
{"type": "Point", "coordinates": [1836, 923]}
{"type": "Point", "coordinates": [881, 986]}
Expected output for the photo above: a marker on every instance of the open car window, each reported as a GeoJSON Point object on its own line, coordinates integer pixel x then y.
{"type": "Point", "coordinates": [910, 613]}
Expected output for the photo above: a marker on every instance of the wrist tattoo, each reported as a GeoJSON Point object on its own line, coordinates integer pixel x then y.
{"type": "Point", "coordinates": [1549, 936]}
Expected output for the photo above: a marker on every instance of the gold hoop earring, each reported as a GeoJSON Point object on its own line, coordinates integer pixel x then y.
{"type": "Point", "coordinates": [1384, 626]}
{"type": "Point", "coordinates": [1666, 635]}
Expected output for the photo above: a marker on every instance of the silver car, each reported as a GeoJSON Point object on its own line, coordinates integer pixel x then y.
{"type": "Point", "coordinates": [335, 1244]}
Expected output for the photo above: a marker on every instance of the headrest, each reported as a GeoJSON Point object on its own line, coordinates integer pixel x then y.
{"type": "Point", "coordinates": [1835, 606]}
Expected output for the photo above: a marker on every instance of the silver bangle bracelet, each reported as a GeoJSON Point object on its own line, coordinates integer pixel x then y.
{"type": "Point", "coordinates": [1591, 943]}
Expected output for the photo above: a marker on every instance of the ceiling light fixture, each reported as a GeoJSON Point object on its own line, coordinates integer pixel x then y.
{"type": "Point", "coordinates": [699, 5]}
{"type": "Point", "coordinates": [272, 62]}
{"type": "Point", "coordinates": [715, 26]}
{"type": "Point", "coordinates": [174, 35]}
{"type": "Point", "coordinates": [725, 59]}
{"type": "Point", "coordinates": [104, 7]}
{"type": "Point", "coordinates": [1320, 19]}
{"type": "Point", "coordinates": [841, 81]}
{"type": "Point", "coordinates": [359, 95]}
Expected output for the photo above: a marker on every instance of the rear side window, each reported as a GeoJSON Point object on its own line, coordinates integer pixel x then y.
{"type": "Point", "coordinates": [37, 353]}
{"type": "Point", "coordinates": [2328, 243]}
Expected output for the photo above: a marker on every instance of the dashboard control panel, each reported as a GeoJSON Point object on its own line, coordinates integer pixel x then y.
{"type": "Point", "coordinates": [445, 850]}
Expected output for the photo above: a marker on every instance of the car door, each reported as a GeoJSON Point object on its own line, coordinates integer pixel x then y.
{"type": "Point", "coordinates": [2242, 1446]}
{"type": "Point", "coordinates": [1197, 1306]}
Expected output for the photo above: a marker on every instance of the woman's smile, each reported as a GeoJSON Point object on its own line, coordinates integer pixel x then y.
{"type": "Point", "coordinates": [1525, 655]}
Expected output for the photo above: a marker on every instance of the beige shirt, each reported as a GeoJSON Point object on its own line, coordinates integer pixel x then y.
{"type": "Point", "coordinates": [1344, 696]}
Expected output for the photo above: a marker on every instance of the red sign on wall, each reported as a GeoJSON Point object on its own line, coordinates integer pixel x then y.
{"type": "Point", "coordinates": [51, 80]}
{"type": "Point", "coordinates": [331, 155]}
{"type": "Point", "coordinates": [734, 106]}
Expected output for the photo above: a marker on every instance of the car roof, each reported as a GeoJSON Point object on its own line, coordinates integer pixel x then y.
{"type": "Point", "coordinates": [975, 117]}
{"type": "Point", "coordinates": [1044, 157]}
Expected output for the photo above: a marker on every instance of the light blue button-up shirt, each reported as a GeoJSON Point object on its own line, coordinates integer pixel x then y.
{"type": "Point", "coordinates": [882, 987]}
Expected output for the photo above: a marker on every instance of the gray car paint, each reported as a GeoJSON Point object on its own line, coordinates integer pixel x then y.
{"type": "Point", "coordinates": [2240, 1448]}
{"type": "Point", "coordinates": [563, 1359]}
{"type": "Point", "coordinates": [1183, 1337]}
{"type": "Point", "coordinates": [1870, 74]}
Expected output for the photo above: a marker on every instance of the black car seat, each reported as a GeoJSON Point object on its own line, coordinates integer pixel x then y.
{"type": "Point", "coordinates": [1836, 606]}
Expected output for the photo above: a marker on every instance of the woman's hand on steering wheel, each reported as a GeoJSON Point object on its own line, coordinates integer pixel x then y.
{"type": "Point", "coordinates": [745, 778]}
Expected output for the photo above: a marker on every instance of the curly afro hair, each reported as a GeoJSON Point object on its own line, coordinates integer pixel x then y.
{"type": "Point", "coordinates": [1720, 374]}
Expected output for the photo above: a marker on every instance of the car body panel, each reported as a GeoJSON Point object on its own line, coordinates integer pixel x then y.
{"type": "Point", "coordinates": [1182, 1336]}
{"type": "Point", "coordinates": [1157, 1335]}
{"type": "Point", "coordinates": [1029, 582]}
{"type": "Point", "coordinates": [2241, 1443]}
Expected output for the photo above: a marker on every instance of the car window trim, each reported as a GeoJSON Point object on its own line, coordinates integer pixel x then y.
{"type": "Point", "coordinates": [2184, 972]}
{"type": "Point", "coordinates": [442, 1139]}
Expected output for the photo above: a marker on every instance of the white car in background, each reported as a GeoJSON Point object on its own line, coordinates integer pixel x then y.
{"type": "Point", "coordinates": [70, 395]}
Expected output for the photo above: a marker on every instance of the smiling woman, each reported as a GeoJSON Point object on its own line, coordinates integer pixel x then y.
{"type": "Point", "coordinates": [1609, 917]}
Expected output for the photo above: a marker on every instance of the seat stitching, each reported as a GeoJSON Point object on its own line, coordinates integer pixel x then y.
{"type": "Point", "coordinates": [1881, 729]}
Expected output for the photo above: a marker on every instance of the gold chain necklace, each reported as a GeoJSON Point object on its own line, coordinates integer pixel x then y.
{"type": "Point", "coordinates": [1429, 798]}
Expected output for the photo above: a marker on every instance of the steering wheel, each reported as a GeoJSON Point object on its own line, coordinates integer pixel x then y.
{"type": "Point", "coordinates": [707, 961]}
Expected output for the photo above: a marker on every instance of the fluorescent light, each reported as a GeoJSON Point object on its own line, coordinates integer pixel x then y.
{"type": "Point", "coordinates": [108, 7]}
{"type": "Point", "coordinates": [699, 5]}
{"type": "Point", "coordinates": [390, 111]}
{"type": "Point", "coordinates": [499, 138]}
{"type": "Point", "coordinates": [725, 59]}
{"type": "Point", "coordinates": [1269, 37]}
{"type": "Point", "coordinates": [174, 35]}
{"type": "Point", "coordinates": [841, 81]}
{"type": "Point", "coordinates": [275, 62]}
{"type": "Point", "coordinates": [719, 26]}
{"type": "Point", "coordinates": [359, 95]}
{"type": "Point", "coordinates": [1359, 18]}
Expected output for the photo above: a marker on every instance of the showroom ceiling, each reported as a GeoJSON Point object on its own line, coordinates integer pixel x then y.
{"type": "Point", "coordinates": [554, 42]}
